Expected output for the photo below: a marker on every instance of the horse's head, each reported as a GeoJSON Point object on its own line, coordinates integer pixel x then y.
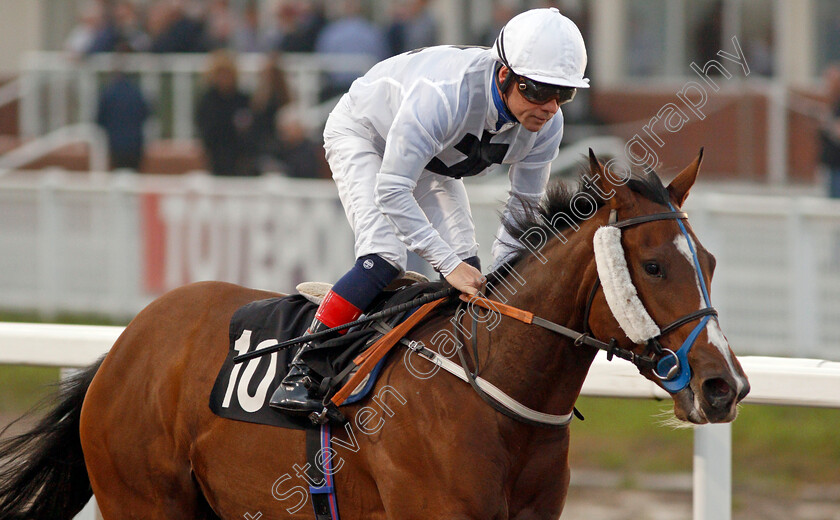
{"type": "Point", "coordinates": [655, 276]}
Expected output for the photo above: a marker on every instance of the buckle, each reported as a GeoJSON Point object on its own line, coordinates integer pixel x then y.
{"type": "Point", "coordinates": [674, 371]}
{"type": "Point", "coordinates": [329, 413]}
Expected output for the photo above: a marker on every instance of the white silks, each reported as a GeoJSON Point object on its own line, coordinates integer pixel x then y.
{"type": "Point", "coordinates": [619, 290]}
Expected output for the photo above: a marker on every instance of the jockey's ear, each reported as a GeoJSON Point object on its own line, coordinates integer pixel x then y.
{"type": "Point", "coordinates": [683, 182]}
{"type": "Point", "coordinates": [503, 73]}
{"type": "Point", "coordinates": [619, 194]}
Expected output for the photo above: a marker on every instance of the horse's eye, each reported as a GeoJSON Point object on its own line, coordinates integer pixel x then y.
{"type": "Point", "coordinates": [653, 269]}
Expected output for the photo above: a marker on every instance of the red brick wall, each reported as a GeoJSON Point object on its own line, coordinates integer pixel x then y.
{"type": "Point", "coordinates": [733, 132]}
{"type": "Point", "coordinates": [8, 114]}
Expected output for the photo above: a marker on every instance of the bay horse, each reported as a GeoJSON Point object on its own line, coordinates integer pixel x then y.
{"type": "Point", "coordinates": [136, 430]}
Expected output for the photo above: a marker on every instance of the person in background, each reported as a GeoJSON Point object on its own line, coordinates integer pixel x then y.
{"type": "Point", "coordinates": [248, 37]}
{"type": "Point", "coordinates": [830, 130]}
{"type": "Point", "coordinates": [91, 18]}
{"type": "Point", "coordinates": [413, 27]}
{"type": "Point", "coordinates": [295, 154]}
{"type": "Point", "coordinates": [272, 94]}
{"type": "Point", "coordinates": [285, 21]}
{"type": "Point", "coordinates": [121, 112]}
{"type": "Point", "coordinates": [220, 25]}
{"type": "Point", "coordinates": [130, 27]}
{"type": "Point", "coordinates": [349, 34]}
{"type": "Point", "coordinates": [707, 34]}
{"type": "Point", "coordinates": [107, 35]}
{"type": "Point", "coordinates": [224, 118]}
{"type": "Point", "coordinates": [176, 27]}
{"type": "Point", "coordinates": [309, 21]}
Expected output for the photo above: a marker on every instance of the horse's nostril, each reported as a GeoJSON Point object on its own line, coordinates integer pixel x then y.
{"type": "Point", "coordinates": [718, 392]}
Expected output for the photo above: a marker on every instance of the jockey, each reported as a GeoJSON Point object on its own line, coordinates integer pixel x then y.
{"type": "Point", "coordinates": [399, 142]}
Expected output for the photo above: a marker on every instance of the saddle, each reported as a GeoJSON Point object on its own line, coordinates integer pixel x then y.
{"type": "Point", "coordinates": [241, 390]}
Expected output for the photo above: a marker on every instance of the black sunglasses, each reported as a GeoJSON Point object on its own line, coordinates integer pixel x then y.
{"type": "Point", "coordinates": [540, 93]}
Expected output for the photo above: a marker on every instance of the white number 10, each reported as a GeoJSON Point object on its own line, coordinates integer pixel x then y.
{"type": "Point", "coordinates": [250, 403]}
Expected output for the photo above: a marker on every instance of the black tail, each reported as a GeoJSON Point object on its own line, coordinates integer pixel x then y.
{"type": "Point", "coordinates": [42, 472]}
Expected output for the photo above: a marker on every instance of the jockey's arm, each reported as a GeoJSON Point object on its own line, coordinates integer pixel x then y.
{"type": "Point", "coordinates": [421, 125]}
{"type": "Point", "coordinates": [528, 180]}
{"type": "Point", "coordinates": [527, 187]}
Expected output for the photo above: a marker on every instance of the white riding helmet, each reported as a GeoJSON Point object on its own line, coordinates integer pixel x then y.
{"type": "Point", "coordinates": [544, 46]}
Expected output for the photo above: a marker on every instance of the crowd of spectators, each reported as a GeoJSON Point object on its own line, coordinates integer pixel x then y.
{"type": "Point", "coordinates": [186, 26]}
{"type": "Point", "coordinates": [244, 133]}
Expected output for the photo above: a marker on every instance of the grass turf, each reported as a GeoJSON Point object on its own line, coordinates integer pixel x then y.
{"type": "Point", "coordinates": [22, 387]}
{"type": "Point", "coordinates": [773, 446]}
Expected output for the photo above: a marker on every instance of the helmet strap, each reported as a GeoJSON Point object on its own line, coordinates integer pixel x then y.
{"type": "Point", "coordinates": [503, 87]}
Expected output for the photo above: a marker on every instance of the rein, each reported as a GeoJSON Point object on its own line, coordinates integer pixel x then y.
{"type": "Point", "coordinates": [403, 307]}
{"type": "Point", "coordinates": [580, 338]}
{"type": "Point", "coordinates": [674, 364]}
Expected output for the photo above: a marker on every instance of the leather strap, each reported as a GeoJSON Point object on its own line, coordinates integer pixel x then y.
{"type": "Point", "coordinates": [672, 215]}
{"type": "Point", "coordinates": [323, 493]}
{"type": "Point", "coordinates": [688, 318]}
{"type": "Point", "coordinates": [499, 400]}
{"type": "Point", "coordinates": [580, 338]}
{"type": "Point", "coordinates": [501, 308]}
{"type": "Point", "coordinates": [368, 359]}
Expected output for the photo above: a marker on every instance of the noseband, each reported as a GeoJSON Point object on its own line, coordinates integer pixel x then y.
{"type": "Point", "coordinates": [669, 366]}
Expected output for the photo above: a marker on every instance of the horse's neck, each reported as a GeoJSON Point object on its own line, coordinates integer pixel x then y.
{"type": "Point", "coordinates": [539, 367]}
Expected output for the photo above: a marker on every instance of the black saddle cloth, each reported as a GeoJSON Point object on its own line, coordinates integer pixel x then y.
{"type": "Point", "coordinates": [241, 391]}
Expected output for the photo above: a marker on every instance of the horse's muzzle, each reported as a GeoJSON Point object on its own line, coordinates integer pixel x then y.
{"type": "Point", "coordinates": [719, 395]}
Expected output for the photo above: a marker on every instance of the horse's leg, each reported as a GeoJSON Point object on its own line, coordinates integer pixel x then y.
{"type": "Point", "coordinates": [117, 501]}
{"type": "Point", "coordinates": [539, 492]}
{"type": "Point", "coordinates": [250, 471]}
{"type": "Point", "coordinates": [431, 456]}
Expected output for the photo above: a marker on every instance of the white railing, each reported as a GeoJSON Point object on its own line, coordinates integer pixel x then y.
{"type": "Point", "coordinates": [57, 91]}
{"type": "Point", "coordinates": [774, 381]}
{"type": "Point", "coordinates": [85, 133]}
{"type": "Point", "coordinates": [110, 244]}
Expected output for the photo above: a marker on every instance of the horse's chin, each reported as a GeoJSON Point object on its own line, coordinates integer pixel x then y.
{"type": "Point", "coordinates": [687, 408]}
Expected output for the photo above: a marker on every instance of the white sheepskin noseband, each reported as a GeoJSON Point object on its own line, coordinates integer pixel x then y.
{"type": "Point", "coordinates": [618, 287]}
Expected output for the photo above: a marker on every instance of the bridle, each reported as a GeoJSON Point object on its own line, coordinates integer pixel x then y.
{"type": "Point", "coordinates": [670, 367]}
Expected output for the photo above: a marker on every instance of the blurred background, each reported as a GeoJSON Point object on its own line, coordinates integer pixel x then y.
{"type": "Point", "coordinates": [145, 144]}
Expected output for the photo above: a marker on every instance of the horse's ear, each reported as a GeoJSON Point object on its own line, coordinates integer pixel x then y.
{"type": "Point", "coordinates": [617, 193]}
{"type": "Point", "coordinates": [594, 163]}
{"type": "Point", "coordinates": [680, 186]}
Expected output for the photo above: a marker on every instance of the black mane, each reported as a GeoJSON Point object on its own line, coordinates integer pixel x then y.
{"type": "Point", "coordinates": [559, 199]}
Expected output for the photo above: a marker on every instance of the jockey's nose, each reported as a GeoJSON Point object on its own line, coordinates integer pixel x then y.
{"type": "Point", "coordinates": [551, 106]}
